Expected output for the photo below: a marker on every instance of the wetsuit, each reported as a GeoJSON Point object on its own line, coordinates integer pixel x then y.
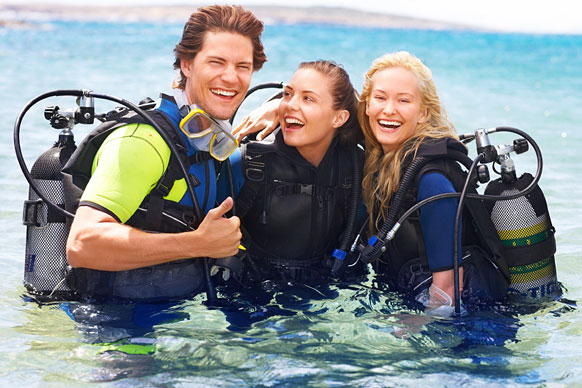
{"type": "Point", "coordinates": [125, 169]}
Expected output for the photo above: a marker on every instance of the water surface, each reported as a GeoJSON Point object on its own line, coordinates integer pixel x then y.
{"type": "Point", "coordinates": [358, 335]}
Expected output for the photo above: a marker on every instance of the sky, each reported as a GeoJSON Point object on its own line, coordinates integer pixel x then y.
{"type": "Point", "coordinates": [534, 16]}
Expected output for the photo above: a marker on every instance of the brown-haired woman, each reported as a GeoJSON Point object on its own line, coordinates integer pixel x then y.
{"type": "Point", "coordinates": [293, 191]}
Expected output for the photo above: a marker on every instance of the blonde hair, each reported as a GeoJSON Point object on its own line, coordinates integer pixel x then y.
{"type": "Point", "coordinates": [382, 170]}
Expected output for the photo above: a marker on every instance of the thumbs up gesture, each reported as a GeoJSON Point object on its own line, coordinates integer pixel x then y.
{"type": "Point", "coordinates": [220, 236]}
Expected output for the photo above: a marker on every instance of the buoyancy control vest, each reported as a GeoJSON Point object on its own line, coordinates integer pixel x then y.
{"type": "Point", "coordinates": [405, 263]}
{"type": "Point", "coordinates": [177, 279]}
{"type": "Point", "coordinates": [293, 213]}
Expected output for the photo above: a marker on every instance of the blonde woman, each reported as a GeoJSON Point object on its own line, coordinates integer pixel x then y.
{"type": "Point", "coordinates": [402, 118]}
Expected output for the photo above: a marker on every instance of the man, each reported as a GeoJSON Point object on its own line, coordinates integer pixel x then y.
{"type": "Point", "coordinates": [133, 186]}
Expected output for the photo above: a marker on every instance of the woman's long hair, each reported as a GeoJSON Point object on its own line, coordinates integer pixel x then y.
{"type": "Point", "coordinates": [382, 170]}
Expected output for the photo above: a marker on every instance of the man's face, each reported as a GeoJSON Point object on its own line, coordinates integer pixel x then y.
{"type": "Point", "coordinates": [219, 76]}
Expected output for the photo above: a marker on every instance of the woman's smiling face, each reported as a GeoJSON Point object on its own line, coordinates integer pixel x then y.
{"type": "Point", "coordinates": [394, 107]}
{"type": "Point", "coordinates": [307, 116]}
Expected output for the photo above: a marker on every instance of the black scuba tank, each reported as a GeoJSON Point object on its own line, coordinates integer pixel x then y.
{"type": "Point", "coordinates": [46, 265]}
{"type": "Point", "coordinates": [527, 234]}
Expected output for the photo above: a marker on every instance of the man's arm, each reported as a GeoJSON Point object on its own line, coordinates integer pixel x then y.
{"type": "Point", "coordinates": [98, 241]}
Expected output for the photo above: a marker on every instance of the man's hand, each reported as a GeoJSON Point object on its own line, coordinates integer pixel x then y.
{"type": "Point", "coordinates": [263, 120]}
{"type": "Point", "coordinates": [98, 241]}
{"type": "Point", "coordinates": [221, 235]}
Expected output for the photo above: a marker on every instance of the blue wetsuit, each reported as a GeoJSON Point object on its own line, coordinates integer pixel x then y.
{"type": "Point", "coordinates": [437, 221]}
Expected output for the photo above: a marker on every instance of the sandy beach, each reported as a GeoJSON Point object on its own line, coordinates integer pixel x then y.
{"type": "Point", "coordinates": [15, 15]}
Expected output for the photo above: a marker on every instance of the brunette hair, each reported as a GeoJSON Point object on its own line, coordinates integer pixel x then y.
{"type": "Point", "coordinates": [344, 97]}
{"type": "Point", "coordinates": [215, 18]}
{"type": "Point", "coordinates": [382, 170]}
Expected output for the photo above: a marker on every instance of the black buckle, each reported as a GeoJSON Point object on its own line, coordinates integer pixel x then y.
{"type": "Point", "coordinates": [30, 212]}
{"type": "Point", "coordinates": [255, 174]}
{"type": "Point", "coordinates": [305, 189]}
{"type": "Point", "coordinates": [200, 157]}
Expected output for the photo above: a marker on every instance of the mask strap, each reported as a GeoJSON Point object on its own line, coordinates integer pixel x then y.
{"type": "Point", "coordinates": [184, 110]}
{"type": "Point", "coordinates": [182, 102]}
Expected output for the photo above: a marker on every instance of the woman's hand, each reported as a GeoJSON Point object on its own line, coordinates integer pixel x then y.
{"type": "Point", "coordinates": [262, 121]}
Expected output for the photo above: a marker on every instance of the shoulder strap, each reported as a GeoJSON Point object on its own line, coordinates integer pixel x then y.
{"type": "Point", "coordinates": [155, 200]}
{"type": "Point", "coordinates": [254, 175]}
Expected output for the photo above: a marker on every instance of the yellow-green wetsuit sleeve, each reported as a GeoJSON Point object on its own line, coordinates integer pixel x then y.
{"type": "Point", "coordinates": [126, 168]}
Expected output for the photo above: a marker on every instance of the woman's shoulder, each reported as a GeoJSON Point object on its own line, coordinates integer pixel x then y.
{"type": "Point", "coordinates": [440, 146]}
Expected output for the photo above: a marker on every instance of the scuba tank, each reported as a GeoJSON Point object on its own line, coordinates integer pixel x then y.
{"type": "Point", "coordinates": [524, 227]}
{"type": "Point", "coordinates": [45, 267]}
{"type": "Point", "coordinates": [47, 275]}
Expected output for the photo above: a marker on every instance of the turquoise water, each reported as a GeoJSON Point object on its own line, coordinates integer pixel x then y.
{"type": "Point", "coordinates": [359, 335]}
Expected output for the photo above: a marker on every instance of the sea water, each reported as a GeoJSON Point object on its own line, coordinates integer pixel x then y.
{"type": "Point", "coordinates": [360, 334]}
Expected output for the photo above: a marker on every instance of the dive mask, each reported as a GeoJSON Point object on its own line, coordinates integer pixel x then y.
{"type": "Point", "coordinates": [198, 126]}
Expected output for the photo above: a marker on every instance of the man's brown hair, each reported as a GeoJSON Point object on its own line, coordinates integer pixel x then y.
{"type": "Point", "coordinates": [217, 18]}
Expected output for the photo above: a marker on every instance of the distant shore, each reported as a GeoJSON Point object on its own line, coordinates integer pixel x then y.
{"type": "Point", "coordinates": [23, 15]}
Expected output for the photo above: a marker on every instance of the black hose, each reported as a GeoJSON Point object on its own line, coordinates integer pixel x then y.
{"type": "Point", "coordinates": [355, 200]}
{"type": "Point", "coordinates": [80, 93]}
{"type": "Point", "coordinates": [18, 149]}
{"type": "Point", "coordinates": [266, 85]}
{"type": "Point", "coordinates": [456, 280]}
{"type": "Point", "coordinates": [351, 220]}
{"type": "Point", "coordinates": [373, 251]}
{"type": "Point", "coordinates": [231, 185]}
{"type": "Point", "coordinates": [390, 235]}
{"type": "Point", "coordinates": [521, 193]}
{"type": "Point", "coordinates": [210, 290]}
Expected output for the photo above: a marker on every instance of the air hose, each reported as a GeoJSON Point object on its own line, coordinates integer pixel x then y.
{"type": "Point", "coordinates": [340, 253]}
{"type": "Point", "coordinates": [266, 85]}
{"type": "Point", "coordinates": [456, 275]}
{"type": "Point", "coordinates": [521, 193]}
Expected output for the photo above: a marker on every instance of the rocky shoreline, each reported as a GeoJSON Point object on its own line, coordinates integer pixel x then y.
{"type": "Point", "coordinates": [12, 16]}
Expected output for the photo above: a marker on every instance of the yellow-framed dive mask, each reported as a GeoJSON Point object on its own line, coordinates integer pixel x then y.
{"type": "Point", "coordinates": [198, 124]}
